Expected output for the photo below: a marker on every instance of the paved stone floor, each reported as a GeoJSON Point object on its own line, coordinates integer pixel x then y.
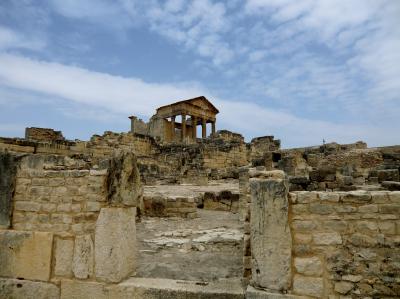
{"type": "Point", "coordinates": [206, 248]}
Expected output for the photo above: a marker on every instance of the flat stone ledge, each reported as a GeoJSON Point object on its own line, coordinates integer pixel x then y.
{"type": "Point", "coordinates": [168, 288]}
{"type": "Point", "coordinates": [252, 293]}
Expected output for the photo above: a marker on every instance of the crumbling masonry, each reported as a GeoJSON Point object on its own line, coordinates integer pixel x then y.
{"type": "Point", "coordinates": [159, 212]}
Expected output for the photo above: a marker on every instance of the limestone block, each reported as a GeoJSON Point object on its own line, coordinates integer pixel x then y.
{"type": "Point", "coordinates": [115, 244]}
{"type": "Point", "coordinates": [271, 240]}
{"type": "Point", "coordinates": [310, 286]}
{"type": "Point", "coordinates": [83, 290]}
{"type": "Point", "coordinates": [327, 238]}
{"type": "Point", "coordinates": [25, 254]}
{"type": "Point", "coordinates": [82, 264]}
{"type": "Point", "coordinates": [22, 289]}
{"type": "Point", "coordinates": [358, 196]}
{"type": "Point", "coordinates": [306, 197]}
{"type": "Point", "coordinates": [310, 266]}
{"type": "Point", "coordinates": [329, 196]}
{"type": "Point", "coordinates": [63, 257]}
{"type": "Point", "coordinates": [343, 287]}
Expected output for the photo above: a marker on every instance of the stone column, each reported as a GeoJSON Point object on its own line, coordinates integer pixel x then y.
{"type": "Point", "coordinates": [172, 128]}
{"type": "Point", "coordinates": [204, 127]}
{"type": "Point", "coordinates": [183, 130]}
{"type": "Point", "coordinates": [213, 128]}
{"type": "Point", "coordinates": [194, 125]}
{"type": "Point", "coordinates": [271, 241]}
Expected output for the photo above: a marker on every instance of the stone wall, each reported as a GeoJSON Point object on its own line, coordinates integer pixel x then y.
{"type": "Point", "coordinates": [341, 244]}
{"type": "Point", "coordinates": [346, 243]}
{"type": "Point", "coordinates": [170, 206]}
{"type": "Point", "coordinates": [42, 134]}
{"type": "Point", "coordinates": [340, 167]}
{"type": "Point", "coordinates": [211, 158]}
{"type": "Point", "coordinates": [73, 218]}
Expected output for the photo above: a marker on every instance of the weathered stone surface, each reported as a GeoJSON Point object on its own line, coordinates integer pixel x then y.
{"type": "Point", "coordinates": [83, 290]}
{"type": "Point", "coordinates": [343, 287]}
{"type": "Point", "coordinates": [82, 265]}
{"type": "Point", "coordinates": [115, 244]}
{"type": "Point", "coordinates": [271, 241]}
{"type": "Point", "coordinates": [252, 293]}
{"type": "Point", "coordinates": [8, 170]}
{"type": "Point", "coordinates": [310, 286]}
{"type": "Point", "coordinates": [310, 266]}
{"type": "Point", "coordinates": [154, 288]}
{"type": "Point", "coordinates": [63, 257]}
{"type": "Point", "coordinates": [123, 180]}
{"type": "Point", "coordinates": [25, 254]}
{"type": "Point", "coordinates": [327, 238]}
{"type": "Point", "coordinates": [391, 185]}
{"type": "Point", "coordinates": [26, 289]}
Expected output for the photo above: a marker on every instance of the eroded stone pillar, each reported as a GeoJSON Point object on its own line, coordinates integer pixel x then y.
{"type": "Point", "coordinates": [183, 130]}
{"type": "Point", "coordinates": [213, 128]}
{"type": "Point", "coordinates": [173, 128]}
{"type": "Point", "coordinates": [271, 241]}
{"type": "Point", "coordinates": [203, 128]}
{"type": "Point", "coordinates": [194, 125]}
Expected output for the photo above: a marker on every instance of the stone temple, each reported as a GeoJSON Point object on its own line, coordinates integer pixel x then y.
{"type": "Point", "coordinates": [164, 126]}
{"type": "Point", "coordinates": [175, 208]}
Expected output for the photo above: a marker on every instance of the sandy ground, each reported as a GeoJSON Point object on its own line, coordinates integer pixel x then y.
{"type": "Point", "coordinates": [206, 248]}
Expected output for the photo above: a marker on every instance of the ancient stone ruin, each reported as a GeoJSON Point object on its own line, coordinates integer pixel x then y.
{"type": "Point", "coordinates": [159, 212]}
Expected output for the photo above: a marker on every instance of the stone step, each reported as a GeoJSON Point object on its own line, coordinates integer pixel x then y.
{"type": "Point", "coordinates": [153, 288]}
{"type": "Point", "coordinates": [181, 289]}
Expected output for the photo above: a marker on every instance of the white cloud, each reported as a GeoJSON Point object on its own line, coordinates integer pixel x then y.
{"type": "Point", "coordinates": [11, 39]}
{"type": "Point", "coordinates": [121, 96]}
{"type": "Point", "coordinates": [118, 94]}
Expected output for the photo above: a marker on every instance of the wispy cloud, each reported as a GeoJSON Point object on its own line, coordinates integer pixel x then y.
{"type": "Point", "coordinates": [121, 96]}
{"type": "Point", "coordinates": [11, 39]}
{"type": "Point", "coordinates": [331, 68]}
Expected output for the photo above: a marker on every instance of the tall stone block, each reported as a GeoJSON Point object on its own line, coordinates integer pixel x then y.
{"type": "Point", "coordinates": [82, 265]}
{"type": "Point", "coordinates": [271, 241]}
{"type": "Point", "coordinates": [115, 244]}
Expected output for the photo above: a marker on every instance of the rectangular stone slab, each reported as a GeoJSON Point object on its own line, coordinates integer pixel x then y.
{"type": "Point", "coordinates": [271, 241]}
{"type": "Point", "coordinates": [115, 244]}
{"type": "Point", "coordinates": [25, 254]}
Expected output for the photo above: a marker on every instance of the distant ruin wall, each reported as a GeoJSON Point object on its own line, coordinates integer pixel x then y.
{"type": "Point", "coordinates": [42, 134]}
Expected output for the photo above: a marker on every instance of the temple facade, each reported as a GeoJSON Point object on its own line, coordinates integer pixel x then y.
{"type": "Point", "coordinates": [178, 122]}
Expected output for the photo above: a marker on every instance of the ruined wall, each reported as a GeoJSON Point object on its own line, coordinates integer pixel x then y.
{"type": "Point", "coordinates": [170, 206]}
{"type": "Point", "coordinates": [342, 244]}
{"type": "Point", "coordinates": [104, 145]}
{"type": "Point", "coordinates": [138, 126]}
{"type": "Point", "coordinates": [346, 243]}
{"type": "Point", "coordinates": [341, 167]}
{"type": "Point", "coordinates": [72, 219]}
{"type": "Point", "coordinates": [42, 134]}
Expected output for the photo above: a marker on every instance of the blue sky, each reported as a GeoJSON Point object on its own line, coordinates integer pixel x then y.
{"type": "Point", "coordinates": [301, 70]}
